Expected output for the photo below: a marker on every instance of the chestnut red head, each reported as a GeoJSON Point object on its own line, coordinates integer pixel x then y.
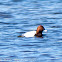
{"type": "Point", "coordinates": [39, 31]}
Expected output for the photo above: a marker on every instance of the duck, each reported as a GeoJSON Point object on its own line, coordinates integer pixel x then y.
{"type": "Point", "coordinates": [37, 33]}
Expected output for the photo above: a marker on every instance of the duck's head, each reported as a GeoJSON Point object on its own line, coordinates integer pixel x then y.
{"type": "Point", "coordinates": [39, 31]}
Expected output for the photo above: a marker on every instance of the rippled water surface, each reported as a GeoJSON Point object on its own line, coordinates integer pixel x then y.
{"type": "Point", "coordinates": [20, 16]}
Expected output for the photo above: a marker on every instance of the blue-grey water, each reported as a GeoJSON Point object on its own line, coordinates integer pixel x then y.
{"type": "Point", "coordinates": [20, 16]}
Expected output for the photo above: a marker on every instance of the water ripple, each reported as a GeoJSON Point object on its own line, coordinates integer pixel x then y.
{"type": "Point", "coordinates": [5, 15]}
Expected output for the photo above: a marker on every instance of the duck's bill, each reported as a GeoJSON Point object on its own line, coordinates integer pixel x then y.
{"type": "Point", "coordinates": [45, 30]}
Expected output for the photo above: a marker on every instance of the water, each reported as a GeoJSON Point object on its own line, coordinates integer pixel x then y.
{"type": "Point", "coordinates": [19, 16]}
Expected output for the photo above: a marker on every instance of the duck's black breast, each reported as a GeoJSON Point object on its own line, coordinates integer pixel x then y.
{"type": "Point", "coordinates": [38, 35]}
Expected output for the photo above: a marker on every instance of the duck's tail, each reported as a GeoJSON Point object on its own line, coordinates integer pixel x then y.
{"type": "Point", "coordinates": [20, 36]}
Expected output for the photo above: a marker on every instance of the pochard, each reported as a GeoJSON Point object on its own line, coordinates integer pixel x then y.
{"type": "Point", "coordinates": [37, 33]}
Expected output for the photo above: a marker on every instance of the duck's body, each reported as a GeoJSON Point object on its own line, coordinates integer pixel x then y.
{"type": "Point", "coordinates": [29, 34]}
{"type": "Point", "coordinates": [37, 33]}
